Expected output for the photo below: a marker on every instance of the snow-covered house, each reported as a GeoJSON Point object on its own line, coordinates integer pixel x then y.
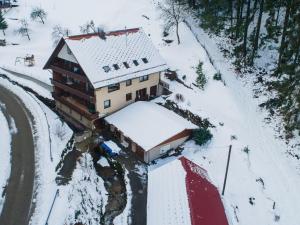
{"type": "Point", "coordinates": [180, 193]}
{"type": "Point", "coordinates": [149, 130]}
{"type": "Point", "coordinates": [97, 74]}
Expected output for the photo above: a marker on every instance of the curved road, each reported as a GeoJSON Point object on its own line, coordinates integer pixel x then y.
{"type": "Point", "coordinates": [17, 206]}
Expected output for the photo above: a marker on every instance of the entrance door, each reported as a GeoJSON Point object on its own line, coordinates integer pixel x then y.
{"type": "Point", "coordinates": [153, 91]}
{"type": "Point", "coordinates": [141, 94]}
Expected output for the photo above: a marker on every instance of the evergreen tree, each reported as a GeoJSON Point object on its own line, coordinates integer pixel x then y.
{"type": "Point", "coordinates": [201, 79]}
{"type": "Point", "coordinates": [3, 23]}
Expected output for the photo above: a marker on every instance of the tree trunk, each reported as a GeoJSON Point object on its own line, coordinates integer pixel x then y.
{"type": "Point", "coordinates": [3, 31]}
{"type": "Point", "coordinates": [284, 31]}
{"type": "Point", "coordinates": [255, 44]}
{"type": "Point", "coordinates": [231, 15]}
{"type": "Point", "coordinates": [177, 33]}
{"type": "Point", "coordinates": [28, 36]}
{"type": "Point", "coordinates": [238, 24]}
{"type": "Point", "coordinates": [246, 28]}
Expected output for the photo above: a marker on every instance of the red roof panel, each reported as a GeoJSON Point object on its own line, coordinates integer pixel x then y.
{"type": "Point", "coordinates": [205, 203]}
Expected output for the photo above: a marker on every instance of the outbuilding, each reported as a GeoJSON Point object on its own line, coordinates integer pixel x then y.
{"type": "Point", "coordinates": [181, 193]}
{"type": "Point", "coordinates": [149, 130]}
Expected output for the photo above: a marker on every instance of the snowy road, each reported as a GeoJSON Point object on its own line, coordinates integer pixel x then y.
{"type": "Point", "coordinates": [17, 206]}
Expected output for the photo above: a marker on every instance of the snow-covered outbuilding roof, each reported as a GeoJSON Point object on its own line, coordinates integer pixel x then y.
{"type": "Point", "coordinates": [115, 56]}
{"type": "Point", "coordinates": [180, 193]}
{"type": "Point", "coordinates": [148, 124]}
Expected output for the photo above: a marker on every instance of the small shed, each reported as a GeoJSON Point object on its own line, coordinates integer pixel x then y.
{"type": "Point", "coordinates": [149, 130]}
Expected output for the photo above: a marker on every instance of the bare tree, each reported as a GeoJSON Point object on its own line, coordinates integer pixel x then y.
{"type": "Point", "coordinates": [58, 32]}
{"type": "Point", "coordinates": [24, 30]}
{"type": "Point", "coordinates": [90, 27]}
{"type": "Point", "coordinates": [38, 13]}
{"type": "Point", "coordinates": [172, 12]}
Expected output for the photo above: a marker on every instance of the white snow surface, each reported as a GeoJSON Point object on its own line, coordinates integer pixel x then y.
{"type": "Point", "coordinates": [5, 151]}
{"type": "Point", "coordinates": [85, 194]}
{"type": "Point", "coordinates": [94, 53]}
{"type": "Point", "coordinates": [232, 105]}
{"type": "Point", "coordinates": [103, 162]}
{"type": "Point", "coordinates": [148, 124]}
{"type": "Point", "coordinates": [167, 194]}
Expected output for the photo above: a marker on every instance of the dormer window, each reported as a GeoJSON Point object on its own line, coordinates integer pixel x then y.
{"type": "Point", "coordinates": [145, 60]}
{"type": "Point", "coordinates": [106, 69]}
{"type": "Point", "coordinates": [135, 62]}
{"type": "Point", "coordinates": [116, 66]}
{"type": "Point", "coordinates": [126, 65]}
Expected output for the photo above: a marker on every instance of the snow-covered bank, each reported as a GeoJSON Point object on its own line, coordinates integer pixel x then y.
{"type": "Point", "coordinates": [5, 160]}
{"type": "Point", "coordinates": [84, 199]}
{"type": "Point", "coordinates": [51, 136]}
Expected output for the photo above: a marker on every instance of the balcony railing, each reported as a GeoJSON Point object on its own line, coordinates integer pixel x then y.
{"type": "Point", "coordinates": [76, 106]}
{"type": "Point", "coordinates": [75, 90]}
{"type": "Point", "coordinates": [67, 72]}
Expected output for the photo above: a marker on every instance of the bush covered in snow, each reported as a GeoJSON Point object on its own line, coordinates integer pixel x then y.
{"type": "Point", "coordinates": [217, 76]}
{"type": "Point", "coordinates": [201, 79]}
{"type": "Point", "coordinates": [201, 136]}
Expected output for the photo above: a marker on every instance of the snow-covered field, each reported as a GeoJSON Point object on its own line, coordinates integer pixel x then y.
{"type": "Point", "coordinates": [258, 178]}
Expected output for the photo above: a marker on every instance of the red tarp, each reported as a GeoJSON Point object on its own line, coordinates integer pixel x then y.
{"type": "Point", "coordinates": [205, 204]}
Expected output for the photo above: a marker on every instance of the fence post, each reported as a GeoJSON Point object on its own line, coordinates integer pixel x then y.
{"type": "Point", "coordinates": [226, 173]}
{"type": "Point", "coordinates": [56, 194]}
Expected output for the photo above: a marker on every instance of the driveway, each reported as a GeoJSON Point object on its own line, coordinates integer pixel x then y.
{"type": "Point", "coordinates": [17, 207]}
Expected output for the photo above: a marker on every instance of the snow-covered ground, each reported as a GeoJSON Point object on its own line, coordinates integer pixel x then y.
{"type": "Point", "coordinates": [84, 199]}
{"type": "Point", "coordinates": [262, 176]}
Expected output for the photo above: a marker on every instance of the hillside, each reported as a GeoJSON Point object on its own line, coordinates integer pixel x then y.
{"type": "Point", "coordinates": [263, 183]}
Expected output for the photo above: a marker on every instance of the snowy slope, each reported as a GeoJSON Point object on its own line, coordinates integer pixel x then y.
{"type": "Point", "coordinates": [264, 173]}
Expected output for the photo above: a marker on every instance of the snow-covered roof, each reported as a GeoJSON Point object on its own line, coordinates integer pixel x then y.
{"type": "Point", "coordinates": [148, 124]}
{"type": "Point", "coordinates": [167, 196]}
{"type": "Point", "coordinates": [180, 193]}
{"type": "Point", "coordinates": [119, 56]}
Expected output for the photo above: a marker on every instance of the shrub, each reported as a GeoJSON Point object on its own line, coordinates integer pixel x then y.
{"type": "Point", "coordinates": [201, 79]}
{"type": "Point", "coordinates": [179, 97]}
{"type": "Point", "coordinates": [218, 76]}
{"type": "Point", "coordinates": [201, 136]}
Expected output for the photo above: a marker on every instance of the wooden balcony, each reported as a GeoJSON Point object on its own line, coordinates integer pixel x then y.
{"type": "Point", "coordinates": [61, 70]}
{"type": "Point", "coordinates": [75, 90]}
{"type": "Point", "coordinates": [76, 106]}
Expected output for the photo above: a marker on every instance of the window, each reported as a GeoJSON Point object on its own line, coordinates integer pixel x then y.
{"type": "Point", "coordinates": [135, 62]}
{"type": "Point", "coordinates": [116, 66]}
{"type": "Point", "coordinates": [106, 69]}
{"type": "Point", "coordinates": [128, 82]}
{"type": "Point", "coordinates": [145, 60]}
{"type": "Point", "coordinates": [113, 87]}
{"type": "Point", "coordinates": [128, 97]}
{"type": "Point", "coordinates": [106, 104]}
{"type": "Point", "coordinates": [126, 65]}
{"type": "Point", "coordinates": [75, 69]}
{"type": "Point", "coordinates": [144, 78]}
